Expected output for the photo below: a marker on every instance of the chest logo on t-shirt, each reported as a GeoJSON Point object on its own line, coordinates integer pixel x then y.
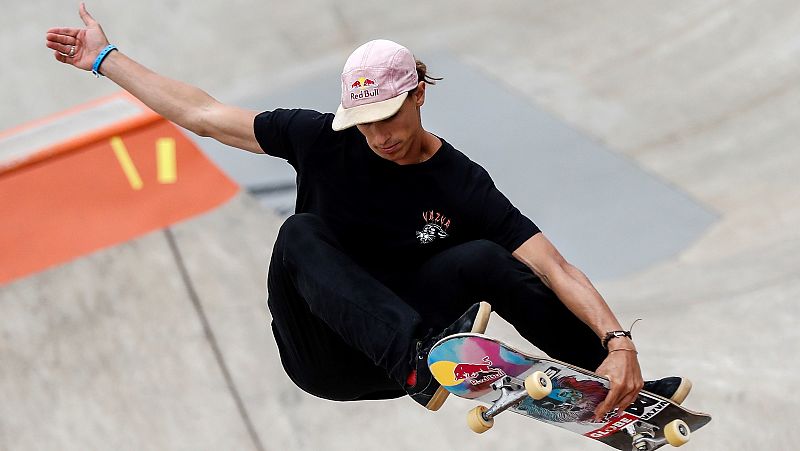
{"type": "Point", "coordinates": [436, 226]}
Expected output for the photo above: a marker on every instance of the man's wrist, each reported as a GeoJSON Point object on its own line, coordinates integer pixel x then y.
{"type": "Point", "coordinates": [100, 58]}
{"type": "Point", "coordinates": [613, 341]}
{"type": "Point", "coordinates": [635, 352]}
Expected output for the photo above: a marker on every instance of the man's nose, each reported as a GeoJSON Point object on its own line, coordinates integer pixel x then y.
{"type": "Point", "coordinates": [381, 133]}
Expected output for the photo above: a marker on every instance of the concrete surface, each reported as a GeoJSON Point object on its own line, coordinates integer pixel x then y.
{"type": "Point", "coordinates": [111, 352]}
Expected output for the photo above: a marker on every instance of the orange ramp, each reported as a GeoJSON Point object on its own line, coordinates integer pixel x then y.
{"type": "Point", "coordinates": [104, 185]}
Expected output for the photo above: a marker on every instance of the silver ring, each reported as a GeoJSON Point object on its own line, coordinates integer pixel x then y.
{"type": "Point", "coordinates": [71, 51]}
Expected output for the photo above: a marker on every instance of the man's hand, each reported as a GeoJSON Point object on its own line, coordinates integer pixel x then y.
{"type": "Point", "coordinates": [78, 46]}
{"type": "Point", "coordinates": [578, 294]}
{"type": "Point", "coordinates": [621, 367]}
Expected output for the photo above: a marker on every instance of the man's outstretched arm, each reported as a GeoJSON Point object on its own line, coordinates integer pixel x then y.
{"type": "Point", "coordinates": [188, 106]}
{"type": "Point", "coordinates": [578, 294]}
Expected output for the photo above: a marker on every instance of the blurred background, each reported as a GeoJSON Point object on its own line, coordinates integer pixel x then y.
{"type": "Point", "coordinates": [656, 143]}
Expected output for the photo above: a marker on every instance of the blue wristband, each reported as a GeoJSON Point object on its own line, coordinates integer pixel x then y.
{"type": "Point", "coordinates": [100, 58]}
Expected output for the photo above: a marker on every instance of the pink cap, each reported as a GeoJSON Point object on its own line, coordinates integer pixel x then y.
{"type": "Point", "coordinates": [375, 81]}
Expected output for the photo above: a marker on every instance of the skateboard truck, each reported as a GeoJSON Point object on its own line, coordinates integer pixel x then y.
{"type": "Point", "coordinates": [512, 392]}
{"type": "Point", "coordinates": [643, 436]}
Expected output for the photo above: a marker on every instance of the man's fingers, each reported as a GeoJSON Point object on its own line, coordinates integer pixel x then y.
{"type": "Point", "coordinates": [61, 48]}
{"type": "Point", "coordinates": [611, 398]}
{"type": "Point", "coordinates": [68, 31]}
{"type": "Point", "coordinates": [60, 57]}
{"type": "Point", "coordinates": [61, 39]}
{"type": "Point", "coordinates": [54, 46]}
{"type": "Point", "coordinates": [619, 397]}
{"type": "Point", "coordinates": [632, 395]}
{"type": "Point", "coordinates": [628, 396]}
{"type": "Point", "coordinates": [85, 16]}
{"type": "Point", "coordinates": [627, 401]}
{"type": "Point", "coordinates": [600, 410]}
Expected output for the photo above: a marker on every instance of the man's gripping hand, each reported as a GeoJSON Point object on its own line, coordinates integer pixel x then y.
{"type": "Point", "coordinates": [87, 42]}
{"type": "Point", "coordinates": [621, 367]}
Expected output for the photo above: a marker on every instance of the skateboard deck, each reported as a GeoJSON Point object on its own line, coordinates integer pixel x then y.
{"type": "Point", "coordinates": [475, 366]}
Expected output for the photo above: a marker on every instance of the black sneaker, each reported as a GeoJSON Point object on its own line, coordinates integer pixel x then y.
{"type": "Point", "coordinates": [426, 390]}
{"type": "Point", "coordinates": [676, 389]}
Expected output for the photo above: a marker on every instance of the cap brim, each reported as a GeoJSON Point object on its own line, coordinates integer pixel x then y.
{"type": "Point", "coordinates": [363, 114]}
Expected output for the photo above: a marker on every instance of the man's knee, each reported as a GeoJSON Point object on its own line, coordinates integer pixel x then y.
{"type": "Point", "coordinates": [298, 232]}
{"type": "Point", "coordinates": [299, 225]}
{"type": "Point", "coordinates": [486, 268]}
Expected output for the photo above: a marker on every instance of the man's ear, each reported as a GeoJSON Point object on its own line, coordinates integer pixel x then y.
{"type": "Point", "coordinates": [419, 94]}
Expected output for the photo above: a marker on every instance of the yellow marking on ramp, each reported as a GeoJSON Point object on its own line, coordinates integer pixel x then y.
{"type": "Point", "coordinates": [165, 157]}
{"type": "Point", "coordinates": [125, 161]}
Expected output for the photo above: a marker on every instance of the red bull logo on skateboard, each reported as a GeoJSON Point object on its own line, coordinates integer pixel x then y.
{"type": "Point", "coordinates": [477, 373]}
{"type": "Point", "coordinates": [363, 88]}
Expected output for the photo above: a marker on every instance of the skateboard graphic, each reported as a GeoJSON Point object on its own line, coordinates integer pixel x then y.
{"type": "Point", "coordinates": [474, 366]}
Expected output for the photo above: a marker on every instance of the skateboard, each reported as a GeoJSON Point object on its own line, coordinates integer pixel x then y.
{"type": "Point", "coordinates": [475, 366]}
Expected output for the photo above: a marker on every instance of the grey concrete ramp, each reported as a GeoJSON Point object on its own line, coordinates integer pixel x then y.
{"type": "Point", "coordinates": [113, 351]}
{"type": "Point", "coordinates": [701, 95]}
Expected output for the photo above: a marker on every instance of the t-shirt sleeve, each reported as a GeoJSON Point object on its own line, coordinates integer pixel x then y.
{"type": "Point", "coordinates": [499, 220]}
{"type": "Point", "coordinates": [288, 134]}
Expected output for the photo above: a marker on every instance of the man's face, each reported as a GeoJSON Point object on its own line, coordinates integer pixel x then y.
{"type": "Point", "coordinates": [399, 137]}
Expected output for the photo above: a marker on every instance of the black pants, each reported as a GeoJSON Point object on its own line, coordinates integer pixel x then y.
{"type": "Point", "coordinates": [346, 333]}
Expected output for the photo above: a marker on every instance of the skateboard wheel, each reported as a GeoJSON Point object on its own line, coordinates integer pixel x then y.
{"type": "Point", "coordinates": [538, 385]}
{"type": "Point", "coordinates": [677, 433]}
{"type": "Point", "coordinates": [476, 422]}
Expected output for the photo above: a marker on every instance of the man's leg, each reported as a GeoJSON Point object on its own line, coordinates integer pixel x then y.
{"type": "Point", "coordinates": [339, 330]}
{"type": "Point", "coordinates": [484, 271]}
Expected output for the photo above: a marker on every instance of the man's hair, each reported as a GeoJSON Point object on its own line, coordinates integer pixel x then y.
{"type": "Point", "coordinates": [422, 75]}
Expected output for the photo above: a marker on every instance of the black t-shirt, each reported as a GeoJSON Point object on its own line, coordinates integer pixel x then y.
{"type": "Point", "coordinates": [383, 213]}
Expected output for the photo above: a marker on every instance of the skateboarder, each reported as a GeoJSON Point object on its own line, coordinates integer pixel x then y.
{"type": "Point", "coordinates": [396, 235]}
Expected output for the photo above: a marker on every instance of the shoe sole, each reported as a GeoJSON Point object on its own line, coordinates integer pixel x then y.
{"type": "Point", "coordinates": [682, 392]}
{"type": "Point", "coordinates": [478, 327]}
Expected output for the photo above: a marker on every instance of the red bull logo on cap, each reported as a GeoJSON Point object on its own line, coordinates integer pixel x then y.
{"type": "Point", "coordinates": [363, 88]}
{"type": "Point", "coordinates": [361, 83]}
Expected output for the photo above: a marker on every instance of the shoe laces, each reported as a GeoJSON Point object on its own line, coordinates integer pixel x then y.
{"type": "Point", "coordinates": [424, 345]}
